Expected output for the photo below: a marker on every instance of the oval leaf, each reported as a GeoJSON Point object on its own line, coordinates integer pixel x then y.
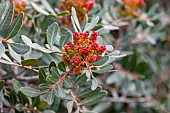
{"type": "Point", "coordinates": [29, 62]}
{"type": "Point", "coordinates": [20, 48]}
{"type": "Point", "coordinates": [30, 91]}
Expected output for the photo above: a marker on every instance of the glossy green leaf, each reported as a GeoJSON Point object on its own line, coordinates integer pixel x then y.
{"type": "Point", "coordinates": [55, 73]}
{"type": "Point", "coordinates": [22, 98]}
{"type": "Point", "coordinates": [15, 27]}
{"type": "Point", "coordinates": [94, 99]}
{"type": "Point", "coordinates": [2, 83]}
{"type": "Point", "coordinates": [44, 86]}
{"type": "Point", "coordinates": [50, 79]}
{"type": "Point", "coordinates": [42, 75]}
{"type": "Point", "coordinates": [29, 62]}
{"type": "Point", "coordinates": [63, 13]}
{"type": "Point", "coordinates": [12, 98]}
{"type": "Point", "coordinates": [61, 66]}
{"type": "Point", "coordinates": [101, 61]}
{"type": "Point", "coordinates": [50, 97]}
{"type": "Point", "coordinates": [30, 91]}
{"type": "Point", "coordinates": [70, 106]}
{"type": "Point", "coordinates": [5, 23]}
{"type": "Point", "coordinates": [104, 69]}
{"type": "Point", "coordinates": [52, 64]}
{"type": "Point", "coordinates": [2, 49]}
{"type": "Point", "coordinates": [65, 38]}
{"type": "Point", "coordinates": [20, 48]}
{"type": "Point", "coordinates": [52, 34]}
{"type": "Point", "coordinates": [35, 100]}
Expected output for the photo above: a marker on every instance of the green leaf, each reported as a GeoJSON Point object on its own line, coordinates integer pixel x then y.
{"type": "Point", "coordinates": [56, 104]}
{"type": "Point", "coordinates": [42, 105]}
{"type": "Point", "coordinates": [85, 111]}
{"type": "Point", "coordinates": [63, 13]}
{"type": "Point", "coordinates": [47, 6]}
{"type": "Point", "coordinates": [81, 79]}
{"type": "Point", "coordinates": [91, 25]}
{"type": "Point", "coordinates": [61, 91]}
{"type": "Point", "coordinates": [55, 73]}
{"type": "Point", "coordinates": [50, 79]}
{"type": "Point", "coordinates": [20, 107]}
{"type": "Point", "coordinates": [44, 86]}
{"type": "Point", "coordinates": [65, 38]}
{"type": "Point", "coordinates": [12, 98]}
{"type": "Point", "coordinates": [14, 55]}
{"type": "Point", "coordinates": [5, 23]}
{"type": "Point", "coordinates": [2, 49]}
{"type": "Point", "coordinates": [29, 62]}
{"type": "Point", "coordinates": [35, 101]}
{"type": "Point", "coordinates": [22, 98]}
{"type": "Point", "coordinates": [94, 84]}
{"type": "Point", "coordinates": [52, 34]}
{"type": "Point", "coordinates": [39, 9]}
{"type": "Point", "coordinates": [74, 15]}
{"type": "Point", "coordinates": [101, 61]}
{"type": "Point", "coordinates": [15, 27]}
{"type": "Point", "coordinates": [52, 64]}
{"type": "Point", "coordinates": [48, 111]}
{"type": "Point", "coordinates": [70, 106]}
{"type": "Point", "coordinates": [104, 69]}
{"type": "Point", "coordinates": [20, 48]}
{"type": "Point", "coordinates": [50, 97]}
{"type": "Point", "coordinates": [30, 91]}
{"type": "Point", "coordinates": [16, 85]}
{"type": "Point", "coordinates": [94, 99]}
{"type": "Point", "coordinates": [2, 83]}
{"type": "Point", "coordinates": [88, 92]}
{"type": "Point", "coordinates": [42, 75]}
{"type": "Point", "coordinates": [61, 66]}
{"type": "Point", "coordinates": [67, 83]}
{"type": "Point", "coordinates": [2, 10]}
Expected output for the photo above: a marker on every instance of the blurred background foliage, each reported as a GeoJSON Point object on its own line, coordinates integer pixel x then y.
{"type": "Point", "coordinates": [142, 82]}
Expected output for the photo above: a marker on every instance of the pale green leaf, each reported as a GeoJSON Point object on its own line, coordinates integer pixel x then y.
{"type": "Point", "coordinates": [15, 27]}
{"type": "Point", "coordinates": [20, 48]}
{"type": "Point", "coordinates": [70, 106]}
{"type": "Point", "coordinates": [50, 97]}
{"type": "Point", "coordinates": [30, 91]}
{"type": "Point", "coordinates": [5, 23]}
{"type": "Point", "coordinates": [39, 9]}
{"type": "Point", "coordinates": [2, 49]}
{"type": "Point", "coordinates": [52, 34]}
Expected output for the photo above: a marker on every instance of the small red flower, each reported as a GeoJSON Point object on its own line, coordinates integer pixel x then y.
{"type": "Point", "coordinates": [83, 50]}
{"type": "Point", "coordinates": [82, 7]}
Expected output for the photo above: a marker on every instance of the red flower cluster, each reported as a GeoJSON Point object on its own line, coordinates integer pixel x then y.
{"type": "Point", "coordinates": [82, 7]}
{"type": "Point", "coordinates": [130, 7]}
{"type": "Point", "coordinates": [18, 6]}
{"type": "Point", "coordinates": [133, 4]}
{"type": "Point", "coordinates": [83, 51]}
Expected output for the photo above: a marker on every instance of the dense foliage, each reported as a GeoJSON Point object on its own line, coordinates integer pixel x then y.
{"type": "Point", "coordinates": [84, 56]}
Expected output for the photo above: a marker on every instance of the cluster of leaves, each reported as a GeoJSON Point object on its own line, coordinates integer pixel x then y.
{"type": "Point", "coordinates": [33, 77]}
